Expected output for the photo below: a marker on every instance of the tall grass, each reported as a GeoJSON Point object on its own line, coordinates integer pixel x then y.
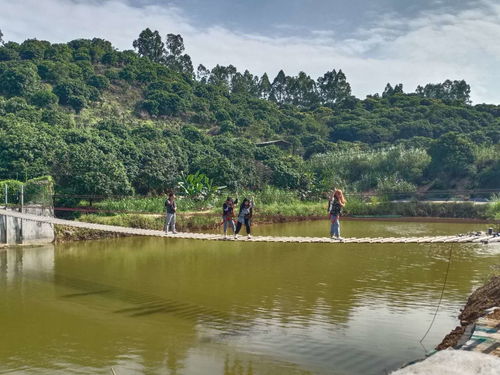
{"type": "Point", "coordinates": [493, 210]}
{"type": "Point", "coordinates": [133, 204]}
{"type": "Point", "coordinates": [271, 201]}
{"type": "Point", "coordinates": [362, 171]}
{"type": "Point", "coordinates": [484, 154]}
{"type": "Point", "coordinates": [267, 196]}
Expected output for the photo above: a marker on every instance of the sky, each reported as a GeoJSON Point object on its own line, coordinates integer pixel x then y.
{"type": "Point", "coordinates": [374, 42]}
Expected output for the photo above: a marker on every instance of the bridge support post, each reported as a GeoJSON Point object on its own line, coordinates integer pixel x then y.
{"type": "Point", "coordinates": [3, 226]}
{"type": "Point", "coordinates": [20, 240]}
{"type": "Point", "coordinates": [3, 217]}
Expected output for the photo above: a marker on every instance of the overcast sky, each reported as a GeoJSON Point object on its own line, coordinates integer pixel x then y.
{"type": "Point", "coordinates": [373, 41]}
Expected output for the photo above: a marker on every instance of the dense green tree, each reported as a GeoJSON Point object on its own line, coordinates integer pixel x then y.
{"type": "Point", "coordinates": [81, 168]}
{"type": "Point", "coordinates": [73, 93]}
{"type": "Point", "coordinates": [202, 73]}
{"type": "Point", "coordinates": [32, 49]}
{"type": "Point", "coordinates": [301, 91]}
{"type": "Point", "coordinates": [149, 44]}
{"type": "Point", "coordinates": [390, 91]}
{"type": "Point", "coordinates": [99, 81]}
{"type": "Point", "coordinates": [458, 91]}
{"type": "Point", "coordinates": [174, 57]}
{"type": "Point", "coordinates": [222, 76]}
{"type": "Point", "coordinates": [489, 177]}
{"type": "Point", "coordinates": [159, 169]}
{"type": "Point", "coordinates": [452, 155]}
{"type": "Point", "coordinates": [7, 54]}
{"type": "Point", "coordinates": [212, 124]}
{"type": "Point", "coordinates": [44, 98]}
{"type": "Point", "coordinates": [245, 83]}
{"type": "Point", "coordinates": [19, 80]}
{"type": "Point", "coordinates": [265, 87]}
{"type": "Point", "coordinates": [333, 87]}
{"type": "Point", "coordinates": [279, 88]}
{"type": "Point", "coordinates": [26, 150]}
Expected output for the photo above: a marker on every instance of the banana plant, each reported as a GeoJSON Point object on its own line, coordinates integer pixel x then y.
{"type": "Point", "coordinates": [198, 186]}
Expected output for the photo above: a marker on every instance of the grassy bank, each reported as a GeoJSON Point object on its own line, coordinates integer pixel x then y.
{"type": "Point", "coordinates": [272, 201]}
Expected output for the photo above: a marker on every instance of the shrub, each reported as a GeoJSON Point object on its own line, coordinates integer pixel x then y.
{"type": "Point", "coordinates": [19, 80]}
{"type": "Point", "coordinates": [7, 54]}
{"type": "Point", "coordinates": [44, 99]}
{"type": "Point", "coordinates": [165, 104]}
{"type": "Point", "coordinates": [77, 102]}
{"type": "Point", "coordinates": [395, 188]}
{"type": "Point", "coordinates": [99, 81]}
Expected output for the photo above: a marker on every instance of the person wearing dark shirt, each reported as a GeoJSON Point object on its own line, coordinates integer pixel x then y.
{"type": "Point", "coordinates": [245, 217]}
{"type": "Point", "coordinates": [228, 214]}
{"type": "Point", "coordinates": [336, 203]}
{"type": "Point", "coordinates": [171, 209]}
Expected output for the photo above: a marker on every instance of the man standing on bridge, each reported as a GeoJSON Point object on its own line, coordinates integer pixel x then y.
{"type": "Point", "coordinates": [171, 208]}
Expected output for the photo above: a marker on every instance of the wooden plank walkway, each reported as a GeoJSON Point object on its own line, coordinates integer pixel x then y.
{"type": "Point", "coordinates": [483, 238]}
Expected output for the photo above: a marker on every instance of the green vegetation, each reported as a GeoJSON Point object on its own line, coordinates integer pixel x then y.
{"type": "Point", "coordinates": [124, 123]}
{"type": "Point", "coordinates": [299, 210]}
{"type": "Point", "coordinates": [36, 191]}
{"type": "Point", "coordinates": [270, 207]}
{"type": "Point", "coordinates": [493, 210]}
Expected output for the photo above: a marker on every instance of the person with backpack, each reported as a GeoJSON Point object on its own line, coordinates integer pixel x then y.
{"type": "Point", "coordinates": [228, 214]}
{"type": "Point", "coordinates": [245, 217]}
{"type": "Point", "coordinates": [171, 208]}
{"type": "Point", "coordinates": [336, 203]}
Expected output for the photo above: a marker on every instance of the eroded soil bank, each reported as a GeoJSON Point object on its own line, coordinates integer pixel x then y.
{"type": "Point", "coordinates": [479, 301]}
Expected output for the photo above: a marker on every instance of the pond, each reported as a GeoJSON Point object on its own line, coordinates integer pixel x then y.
{"type": "Point", "coordinates": [172, 306]}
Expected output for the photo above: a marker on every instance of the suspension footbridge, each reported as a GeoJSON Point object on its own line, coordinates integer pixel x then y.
{"type": "Point", "coordinates": [458, 238]}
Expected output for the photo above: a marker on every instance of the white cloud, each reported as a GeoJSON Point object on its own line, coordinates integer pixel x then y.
{"type": "Point", "coordinates": [431, 47]}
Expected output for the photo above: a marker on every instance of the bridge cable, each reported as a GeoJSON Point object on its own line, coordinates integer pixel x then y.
{"type": "Point", "coordinates": [441, 297]}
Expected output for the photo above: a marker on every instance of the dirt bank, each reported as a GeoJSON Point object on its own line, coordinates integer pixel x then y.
{"type": "Point", "coordinates": [479, 301]}
{"type": "Point", "coordinates": [65, 234]}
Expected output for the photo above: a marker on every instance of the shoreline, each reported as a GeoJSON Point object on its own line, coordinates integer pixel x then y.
{"type": "Point", "coordinates": [477, 305]}
{"type": "Point", "coordinates": [474, 346]}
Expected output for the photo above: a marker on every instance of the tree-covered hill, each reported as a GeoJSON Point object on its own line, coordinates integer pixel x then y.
{"type": "Point", "coordinates": [103, 121]}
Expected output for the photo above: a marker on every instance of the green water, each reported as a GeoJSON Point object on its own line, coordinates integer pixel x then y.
{"type": "Point", "coordinates": [171, 306]}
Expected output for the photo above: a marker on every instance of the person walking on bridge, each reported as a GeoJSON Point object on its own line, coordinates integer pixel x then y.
{"type": "Point", "coordinates": [228, 214]}
{"type": "Point", "coordinates": [171, 208]}
{"type": "Point", "coordinates": [336, 203]}
{"type": "Point", "coordinates": [245, 217]}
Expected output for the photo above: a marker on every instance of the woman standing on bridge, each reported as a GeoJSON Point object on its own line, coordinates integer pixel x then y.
{"type": "Point", "coordinates": [171, 208]}
{"type": "Point", "coordinates": [336, 202]}
{"type": "Point", "coordinates": [245, 217]}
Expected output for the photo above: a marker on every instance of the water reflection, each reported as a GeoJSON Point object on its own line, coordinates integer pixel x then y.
{"type": "Point", "coordinates": [18, 261]}
{"type": "Point", "coordinates": [162, 306]}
